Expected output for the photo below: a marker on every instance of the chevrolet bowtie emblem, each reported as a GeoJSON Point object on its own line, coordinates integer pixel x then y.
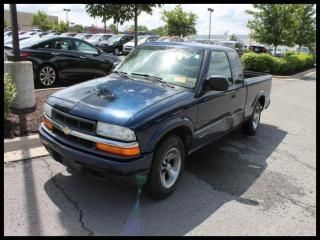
{"type": "Point", "coordinates": [66, 130]}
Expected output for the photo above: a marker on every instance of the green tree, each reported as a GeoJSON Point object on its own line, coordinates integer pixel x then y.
{"type": "Point", "coordinates": [272, 24]}
{"type": "Point", "coordinates": [161, 31]}
{"type": "Point", "coordinates": [233, 37]}
{"type": "Point", "coordinates": [141, 28]}
{"type": "Point", "coordinates": [113, 28]}
{"type": "Point", "coordinates": [178, 22]}
{"type": "Point", "coordinates": [42, 21]}
{"type": "Point", "coordinates": [76, 28]}
{"type": "Point", "coordinates": [5, 24]}
{"type": "Point", "coordinates": [120, 13]}
{"type": "Point", "coordinates": [60, 26]}
{"type": "Point", "coordinates": [305, 25]}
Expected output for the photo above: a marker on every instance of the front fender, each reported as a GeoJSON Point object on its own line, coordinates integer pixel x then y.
{"type": "Point", "coordinates": [165, 128]}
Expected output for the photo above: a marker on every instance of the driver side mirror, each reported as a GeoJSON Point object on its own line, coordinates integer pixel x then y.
{"type": "Point", "coordinates": [218, 83]}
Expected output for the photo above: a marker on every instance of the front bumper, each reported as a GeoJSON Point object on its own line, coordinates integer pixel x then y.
{"type": "Point", "coordinates": [81, 160]}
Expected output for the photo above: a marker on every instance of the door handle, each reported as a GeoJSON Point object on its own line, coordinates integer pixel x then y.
{"type": "Point", "coordinates": [234, 94]}
{"type": "Point", "coordinates": [83, 57]}
{"type": "Point", "coordinates": [55, 53]}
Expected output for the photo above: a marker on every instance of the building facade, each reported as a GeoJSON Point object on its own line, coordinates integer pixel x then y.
{"type": "Point", "coordinates": [24, 19]}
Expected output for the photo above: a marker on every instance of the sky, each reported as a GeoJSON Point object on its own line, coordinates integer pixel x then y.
{"type": "Point", "coordinates": [226, 17]}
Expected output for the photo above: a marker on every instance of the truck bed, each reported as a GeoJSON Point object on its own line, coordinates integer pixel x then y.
{"type": "Point", "coordinates": [257, 83]}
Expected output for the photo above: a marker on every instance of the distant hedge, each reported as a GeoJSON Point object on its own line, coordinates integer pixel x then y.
{"type": "Point", "coordinates": [289, 64]}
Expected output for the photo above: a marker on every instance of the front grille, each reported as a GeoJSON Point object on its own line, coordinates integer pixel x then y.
{"type": "Point", "coordinates": [78, 141]}
{"type": "Point", "coordinates": [75, 123]}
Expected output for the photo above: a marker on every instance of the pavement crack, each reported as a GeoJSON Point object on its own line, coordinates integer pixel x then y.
{"type": "Point", "coordinates": [73, 202]}
{"type": "Point", "coordinates": [309, 208]}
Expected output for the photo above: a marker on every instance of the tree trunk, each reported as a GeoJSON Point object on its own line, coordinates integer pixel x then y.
{"type": "Point", "coordinates": [299, 48]}
{"type": "Point", "coordinates": [135, 25]}
{"type": "Point", "coordinates": [275, 50]}
{"type": "Point", "coordinates": [105, 25]}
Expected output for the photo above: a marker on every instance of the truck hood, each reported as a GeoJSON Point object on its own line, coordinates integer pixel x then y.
{"type": "Point", "coordinates": [110, 99]}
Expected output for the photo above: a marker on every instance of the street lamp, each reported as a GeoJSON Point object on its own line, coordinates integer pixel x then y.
{"type": "Point", "coordinates": [67, 10]}
{"type": "Point", "coordinates": [210, 10]}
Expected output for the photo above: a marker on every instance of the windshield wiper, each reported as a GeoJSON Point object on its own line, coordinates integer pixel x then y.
{"type": "Point", "coordinates": [122, 74]}
{"type": "Point", "coordinates": [159, 79]}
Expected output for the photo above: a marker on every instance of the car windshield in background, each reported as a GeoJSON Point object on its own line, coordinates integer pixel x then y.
{"type": "Point", "coordinates": [227, 44]}
{"type": "Point", "coordinates": [176, 66]}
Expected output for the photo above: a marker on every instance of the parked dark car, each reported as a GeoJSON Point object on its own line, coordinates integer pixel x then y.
{"type": "Point", "coordinates": [115, 43]}
{"type": "Point", "coordinates": [258, 49]}
{"type": "Point", "coordinates": [162, 102]}
{"type": "Point", "coordinates": [65, 58]}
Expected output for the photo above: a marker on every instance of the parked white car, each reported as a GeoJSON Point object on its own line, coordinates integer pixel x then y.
{"type": "Point", "coordinates": [97, 38]}
{"type": "Point", "coordinates": [129, 46]}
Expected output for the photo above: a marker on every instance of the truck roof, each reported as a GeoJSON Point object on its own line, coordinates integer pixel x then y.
{"type": "Point", "coordinates": [189, 45]}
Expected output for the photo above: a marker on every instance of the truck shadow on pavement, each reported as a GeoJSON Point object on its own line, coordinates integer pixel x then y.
{"type": "Point", "coordinates": [219, 173]}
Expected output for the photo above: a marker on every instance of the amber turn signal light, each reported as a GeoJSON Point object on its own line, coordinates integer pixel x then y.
{"type": "Point", "coordinates": [48, 124]}
{"type": "Point", "coordinates": [128, 152]}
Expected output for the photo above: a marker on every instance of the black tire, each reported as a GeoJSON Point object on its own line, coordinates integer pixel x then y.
{"type": "Point", "coordinates": [116, 51]}
{"type": "Point", "coordinates": [49, 83]}
{"type": "Point", "coordinates": [250, 126]}
{"type": "Point", "coordinates": [154, 186]}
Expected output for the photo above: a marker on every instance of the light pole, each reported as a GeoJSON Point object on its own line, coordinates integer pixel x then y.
{"type": "Point", "coordinates": [210, 10]}
{"type": "Point", "coordinates": [67, 10]}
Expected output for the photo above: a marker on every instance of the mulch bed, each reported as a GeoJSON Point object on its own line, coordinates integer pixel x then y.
{"type": "Point", "coordinates": [26, 124]}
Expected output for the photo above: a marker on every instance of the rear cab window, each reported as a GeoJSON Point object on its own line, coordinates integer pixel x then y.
{"type": "Point", "coordinates": [219, 65]}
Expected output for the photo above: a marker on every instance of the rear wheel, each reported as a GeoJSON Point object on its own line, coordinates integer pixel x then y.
{"type": "Point", "coordinates": [250, 127]}
{"type": "Point", "coordinates": [167, 166]}
{"type": "Point", "coordinates": [47, 76]}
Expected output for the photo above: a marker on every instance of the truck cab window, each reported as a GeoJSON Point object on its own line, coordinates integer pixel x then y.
{"type": "Point", "coordinates": [236, 66]}
{"type": "Point", "coordinates": [219, 65]}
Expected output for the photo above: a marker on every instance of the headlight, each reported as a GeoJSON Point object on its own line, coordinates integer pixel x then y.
{"type": "Point", "coordinates": [116, 132]}
{"type": "Point", "coordinates": [47, 109]}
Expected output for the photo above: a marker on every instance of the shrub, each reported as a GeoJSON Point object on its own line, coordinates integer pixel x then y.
{"type": "Point", "coordinates": [289, 64]}
{"type": "Point", "coordinates": [257, 62]}
{"type": "Point", "coordinates": [9, 93]}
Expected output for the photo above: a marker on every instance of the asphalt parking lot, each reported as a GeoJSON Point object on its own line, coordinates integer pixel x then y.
{"type": "Point", "coordinates": [239, 185]}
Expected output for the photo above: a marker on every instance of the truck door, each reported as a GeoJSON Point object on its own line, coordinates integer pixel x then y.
{"type": "Point", "coordinates": [214, 107]}
{"type": "Point", "coordinates": [239, 93]}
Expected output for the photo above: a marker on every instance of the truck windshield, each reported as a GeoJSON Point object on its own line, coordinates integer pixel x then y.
{"type": "Point", "coordinates": [176, 66]}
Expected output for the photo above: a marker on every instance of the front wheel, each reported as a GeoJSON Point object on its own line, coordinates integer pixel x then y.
{"type": "Point", "coordinates": [47, 76]}
{"type": "Point", "coordinates": [167, 166]}
{"type": "Point", "coordinates": [116, 51]}
{"type": "Point", "coordinates": [250, 127]}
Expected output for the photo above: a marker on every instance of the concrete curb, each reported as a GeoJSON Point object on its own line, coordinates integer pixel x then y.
{"type": "Point", "coordinates": [22, 148]}
{"type": "Point", "coordinates": [47, 89]}
{"type": "Point", "coordinates": [294, 76]}
{"type": "Point", "coordinates": [20, 143]}
{"type": "Point", "coordinates": [25, 154]}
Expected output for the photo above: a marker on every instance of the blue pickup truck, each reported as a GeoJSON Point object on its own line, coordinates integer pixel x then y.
{"type": "Point", "coordinates": [164, 101]}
